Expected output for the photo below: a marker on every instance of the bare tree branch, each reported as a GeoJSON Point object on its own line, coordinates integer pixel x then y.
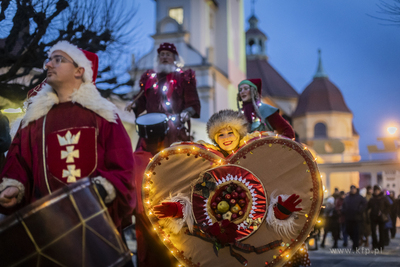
{"type": "Point", "coordinates": [28, 28]}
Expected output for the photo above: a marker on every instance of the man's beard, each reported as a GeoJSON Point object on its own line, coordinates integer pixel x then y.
{"type": "Point", "coordinates": [164, 68]}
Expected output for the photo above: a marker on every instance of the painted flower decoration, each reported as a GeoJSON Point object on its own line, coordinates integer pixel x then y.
{"type": "Point", "coordinates": [224, 233]}
{"type": "Point", "coordinates": [205, 186]}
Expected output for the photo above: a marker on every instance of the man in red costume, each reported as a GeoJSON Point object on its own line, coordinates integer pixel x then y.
{"type": "Point", "coordinates": [69, 132]}
{"type": "Point", "coordinates": [169, 90]}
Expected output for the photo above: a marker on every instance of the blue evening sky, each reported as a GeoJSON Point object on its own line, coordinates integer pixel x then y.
{"type": "Point", "coordinates": [360, 54]}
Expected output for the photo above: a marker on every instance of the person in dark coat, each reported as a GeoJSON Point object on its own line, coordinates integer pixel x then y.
{"type": "Point", "coordinates": [5, 138]}
{"type": "Point", "coordinates": [366, 227]}
{"type": "Point", "coordinates": [393, 213]}
{"type": "Point", "coordinates": [353, 207]}
{"type": "Point", "coordinates": [342, 220]}
{"type": "Point", "coordinates": [378, 206]}
{"type": "Point", "coordinates": [331, 222]}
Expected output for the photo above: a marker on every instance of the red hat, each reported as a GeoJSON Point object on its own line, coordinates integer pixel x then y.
{"type": "Point", "coordinates": [95, 63]}
{"type": "Point", "coordinates": [85, 59]}
{"type": "Point", "coordinates": [253, 82]}
{"type": "Point", "coordinates": [169, 47]}
{"type": "Point", "coordinates": [88, 60]}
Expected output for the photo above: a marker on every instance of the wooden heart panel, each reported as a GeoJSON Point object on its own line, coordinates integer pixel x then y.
{"type": "Point", "coordinates": [283, 166]}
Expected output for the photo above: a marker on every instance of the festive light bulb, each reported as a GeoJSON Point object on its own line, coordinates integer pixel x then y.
{"type": "Point", "coordinates": [153, 75]}
{"type": "Point", "coordinates": [164, 88]}
{"type": "Point", "coordinates": [167, 103]}
{"type": "Point", "coordinates": [154, 85]}
{"type": "Point", "coordinates": [178, 69]}
{"type": "Point", "coordinates": [173, 118]}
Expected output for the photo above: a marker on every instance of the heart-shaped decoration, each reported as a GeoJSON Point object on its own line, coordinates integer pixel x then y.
{"type": "Point", "coordinates": [253, 177]}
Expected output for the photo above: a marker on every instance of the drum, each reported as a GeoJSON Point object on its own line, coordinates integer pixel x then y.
{"type": "Point", "coordinates": [152, 125]}
{"type": "Point", "coordinates": [70, 227]}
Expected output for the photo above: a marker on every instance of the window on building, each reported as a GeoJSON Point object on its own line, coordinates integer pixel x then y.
{"type": "Point", "coordinates": [176, 14]}
{"type": "Point", "coordinates": [320, 130]}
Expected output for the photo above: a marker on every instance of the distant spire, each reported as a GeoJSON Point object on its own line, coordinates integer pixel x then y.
{"type": "Point", "coordinates": [253, 21]}
{"type": "Point", "coordinates": [320, 70]}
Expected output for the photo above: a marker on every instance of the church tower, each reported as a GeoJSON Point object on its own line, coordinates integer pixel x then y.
{"type": "Point", "coordinates": [276, 91]}
{"type": "Point", "coordinates": [209, 36]}
{"type": "Point", "coordinates": [325, 123]}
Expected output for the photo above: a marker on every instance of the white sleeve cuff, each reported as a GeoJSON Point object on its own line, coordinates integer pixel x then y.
{"type": "Point", "coordinates": [285, 228]}
{"type": "Point", "coordinates": [7, 182]}
{"type": "Point", "coordinates": [111, 194]}
{"type": "Point", "coordinates": [176, 224]}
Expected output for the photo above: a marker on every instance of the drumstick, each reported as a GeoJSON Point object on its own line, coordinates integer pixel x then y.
{"type": "Point", "coordinates": [137, 97]}
{"type": "Point", "coordinates": [129, 106]}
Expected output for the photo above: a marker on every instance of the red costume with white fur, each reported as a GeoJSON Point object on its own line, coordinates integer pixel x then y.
{"type": "Point", "coordinates": [59, 143]}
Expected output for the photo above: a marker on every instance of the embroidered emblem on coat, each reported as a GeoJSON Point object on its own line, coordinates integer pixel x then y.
{"type": "Point", "coordinates": [71, 153]}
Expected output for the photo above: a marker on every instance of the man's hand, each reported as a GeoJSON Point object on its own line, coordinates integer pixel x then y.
{"type": "Point", "coordinates": [184, 116]}
{"type": "Point", "coordinates": [8, 197]}
{"type": "Point", "coordinates": [130, 106]}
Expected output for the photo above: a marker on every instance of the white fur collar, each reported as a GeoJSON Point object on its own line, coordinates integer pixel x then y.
{"type": "Point", "coordinates": [87, 95]}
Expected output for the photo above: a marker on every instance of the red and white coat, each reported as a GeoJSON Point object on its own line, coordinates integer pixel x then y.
{"type": "Point", "coordinates": [59, 143]}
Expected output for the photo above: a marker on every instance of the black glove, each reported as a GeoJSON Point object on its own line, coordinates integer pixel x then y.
{"type": "Point", "coordinates": [102, 191]}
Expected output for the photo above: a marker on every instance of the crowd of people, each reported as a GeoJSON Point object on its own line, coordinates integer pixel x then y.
{"type": "Point", "coordinates": [368, 219]}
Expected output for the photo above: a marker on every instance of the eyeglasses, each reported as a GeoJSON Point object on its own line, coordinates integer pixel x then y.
{"type": "Point", "coordinates": [57, 60]}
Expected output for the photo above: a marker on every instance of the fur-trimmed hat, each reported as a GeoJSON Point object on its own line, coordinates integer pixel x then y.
{"type": "Point", "coordinates": [225, 118]}
{"type": "Point", "coordinates": [85, 59]}
{"type": "Point", "coordinates": [167, 46]}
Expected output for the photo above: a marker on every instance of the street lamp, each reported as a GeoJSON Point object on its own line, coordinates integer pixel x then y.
{"type": "Point", "coordinates": [392, 130]}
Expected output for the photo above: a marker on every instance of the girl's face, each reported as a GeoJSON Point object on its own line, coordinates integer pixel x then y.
{"type": "Point", "coordinates": [245, 92]}
{"type": "Point", "coordinates": [227, 140]}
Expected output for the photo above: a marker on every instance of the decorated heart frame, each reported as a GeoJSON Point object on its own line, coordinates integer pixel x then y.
{"type": "Point", "coordinates": [269, 166]}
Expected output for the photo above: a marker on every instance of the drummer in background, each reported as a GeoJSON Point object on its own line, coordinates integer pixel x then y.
{"type": "Point", "coordinates": [261, 116]}
{"type": "Point", "coordinates": [69, 132]}
{"type": "Point", "coordinates": [169, 90]}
